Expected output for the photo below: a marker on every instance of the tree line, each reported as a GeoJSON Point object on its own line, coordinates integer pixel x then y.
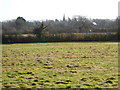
{"type": "Point", "coordinates": [59, 30]}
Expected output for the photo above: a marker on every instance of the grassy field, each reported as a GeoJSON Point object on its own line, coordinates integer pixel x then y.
{"type": "Point", "coordinates": [60, 65]}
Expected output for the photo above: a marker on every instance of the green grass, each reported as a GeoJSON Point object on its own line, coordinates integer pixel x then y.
{"type": "Point", "coordinates": [60, 65]}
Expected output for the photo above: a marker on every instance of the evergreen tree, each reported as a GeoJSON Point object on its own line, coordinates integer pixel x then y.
{"type": "Point", "coordinates": [38, 31]}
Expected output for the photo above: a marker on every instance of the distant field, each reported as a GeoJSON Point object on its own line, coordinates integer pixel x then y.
{"type": "Point", "coordinates": [60, 65]}
{"type": "Point", "coordinates": [61, 37]}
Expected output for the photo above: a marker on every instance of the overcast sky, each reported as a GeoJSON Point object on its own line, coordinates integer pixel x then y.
{"type": "Point", "coordinates": [52, 9]}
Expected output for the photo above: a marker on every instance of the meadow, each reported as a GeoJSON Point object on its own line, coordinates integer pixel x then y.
{"type": "Point", "coordinates": [60, 65]}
